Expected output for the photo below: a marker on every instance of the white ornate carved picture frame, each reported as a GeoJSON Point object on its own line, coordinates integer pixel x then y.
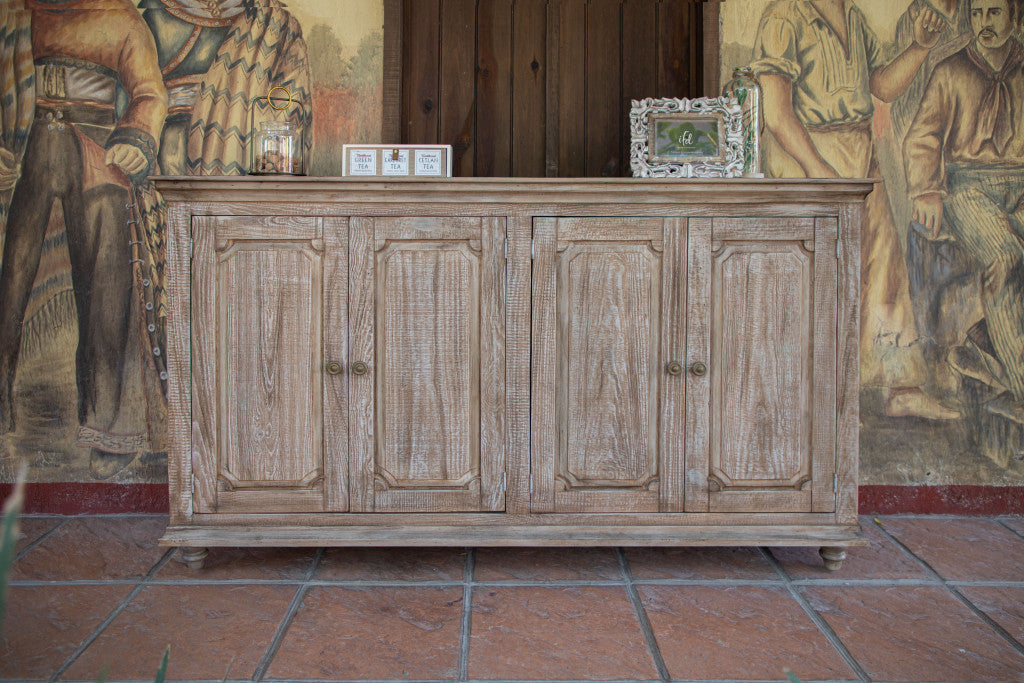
{"type": "Point", "coordinates": [686, 138]}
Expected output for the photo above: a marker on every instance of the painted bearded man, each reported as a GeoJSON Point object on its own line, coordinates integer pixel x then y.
{"type": "Point", "coordinates": [964, 158]}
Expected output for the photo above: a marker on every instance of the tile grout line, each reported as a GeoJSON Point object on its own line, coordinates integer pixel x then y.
{"type": "Point", "coordinates": [39, 541]}
{"type": "Point", "coordinates": [286, 621]}
{"type": "Point", "coordinates": [641, 614]}
{"type": "Point", "coordinates": [818, 620]}
{"type": "Point", "coordinates": [91, 638]}
{"type": "Point", "coordinates": [955, 592]}
{"type": "Point", "coordinates": [467, 613]}
{"type": "Point", "coordinates": [1009, 528]}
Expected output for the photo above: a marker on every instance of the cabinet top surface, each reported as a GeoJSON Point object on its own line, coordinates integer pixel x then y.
{"type": "Point", "coordinates": [536, 191]}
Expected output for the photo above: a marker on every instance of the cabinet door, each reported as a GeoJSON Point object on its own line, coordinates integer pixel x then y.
{"type": "Point", "coordinates": [266, 434]}
{"type": "Point", "coordinates": [761, 421]}
{"type": "Point", "coordinates": [428, 323]}
{"type": "Point", "coordinates": [607, 317]}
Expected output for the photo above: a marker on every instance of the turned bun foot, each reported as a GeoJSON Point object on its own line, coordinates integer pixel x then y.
{"type": "Point", "coordinates": [833, 557]}
{"type": "Point", "coordinates": [194, 557]}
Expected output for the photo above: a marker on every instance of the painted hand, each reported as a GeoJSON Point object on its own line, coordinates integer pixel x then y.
{"type": "Point", "coordinates": [8, 170]}
{"type": "Point", "coordinates": [928, 212]}
{"type": "Point", "coordinates": [129, 159]}
{"type": "Point", "coordinates": [928, 26]}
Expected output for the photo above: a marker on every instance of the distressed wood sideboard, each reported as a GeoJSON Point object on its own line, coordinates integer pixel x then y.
{"type": "Point", "coordinates": [518, 362]}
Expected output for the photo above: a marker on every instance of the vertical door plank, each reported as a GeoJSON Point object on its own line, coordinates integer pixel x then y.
{"type": "Point", "coordinates": [362, 330]}
{"type": "Point", "coordinates": [517, 397]}
{"type": "Point", "coordinates": [494, 89]}
{"type": "Point", "coordinates": [492, 365]}
{"type": "Point", "coordinates": [639, 64]}
{"type": "Point", "coordinates": [420, 78]}
{"type": "Point", "coordinates": [823, 344]}
{"type": "Point", "coordinates": [603, 96]}
{"type": "Point", "coordinates": [529, 69]}
{"type": "Point", "coordinates": [179, 362]}
{"type": "Point", "coordinates": [544, 364]}
{"type": "Point", "coordinates": [848, 353]}
{"type": "Point", "coordinates": [698, 348]}
{"type": "Point", "coordinates": [572, 88]}
{"type": "Point", "coordinates": [674, 40]}
{"type": "Point", "coordinates": [673, 393]}
{"type": "Point", "coordinates": [335, 348]}
{"type": "Point", "coordinates": [204, 365]}
{"type": "Point", "coordinates": [458, 83]}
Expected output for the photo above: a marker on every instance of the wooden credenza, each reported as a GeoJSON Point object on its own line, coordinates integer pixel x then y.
{"type": "Point", "coordinates": [513, 362]}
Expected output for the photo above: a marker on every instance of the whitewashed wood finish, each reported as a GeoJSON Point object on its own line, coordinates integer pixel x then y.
{"type": "Point", "coordinates": [823, 348]}
{"type": "Point", "coordinates": [698, 351]}
{"type": "Point", "coordinates": [349, 224]}
{"type": "Point", "coordinates": [259, 385]}
{"type": "Point", "coordinates": [848, 359]}
{"type": "Point", "coordinates": [179, 359]}
{"type": "Point", "coordinates": [436, 287]}
{"type": "Point", "coordinates": [335, 349]}
{"type": "Point", "coordinates": [761, 371]}
{"type": "Point", "coordinates": [585, 533]}
{"type": "Point", "coordinates": [602, 368]}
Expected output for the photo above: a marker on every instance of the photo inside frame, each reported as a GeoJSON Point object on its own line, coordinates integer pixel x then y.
{"type": "Point", "coordinates": [685, 137]}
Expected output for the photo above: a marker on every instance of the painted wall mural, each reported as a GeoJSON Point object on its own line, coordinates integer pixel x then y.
{"type": "Point", "coordinates": [929, 96]}
{"type": "Point", "coordinates": [94, 96]}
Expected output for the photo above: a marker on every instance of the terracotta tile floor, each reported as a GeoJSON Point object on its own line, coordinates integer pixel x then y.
{"type": "Point", "coordinates": [932, 599]}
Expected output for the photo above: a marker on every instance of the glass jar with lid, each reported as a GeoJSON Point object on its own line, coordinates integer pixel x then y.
{"type": "Point", "coordinates": [277, 134]}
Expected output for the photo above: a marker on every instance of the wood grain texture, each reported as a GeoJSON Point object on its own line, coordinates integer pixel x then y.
{"type": "Point", "coordinates": [204, 366]}
{"type": "Point", "coordinates": [711, 42]}
{"type": "Point", "coordinates": [823, 348]}
{"type": "Point", "coordinates": [517, 395]}
{"type": "Point", "coordinates": [421, 88]}
{"type": "Point", "coordinates": [529, 87]}
{"type": "Point", "coordinates": [672, 417]}
{"type": "Point", "coordinates": [848, 359]}
{"type": "Point", "coordinates": [361, 398]}
{"type": "Point", "coordinates": [179, 362]}
{"type": "Point", "coordinates": [639, 67]}
{"type": "Point", "coordinates": [544, 366]}
{"type": "Point", "coordinates": [698, 350]}
{"type": "Point", "coordinates": [604, 88]}
{"type": "Point", "coordinates": [335, 348]}
{"type": "Point", "coordinates": [761, 366]}
{"type": "Point", "coordinates": [458, 84]}
{"type": "Point", "coordinates": [494, 89]}
{"type": "Point", "coordinates": [572, 87]}
{"type": "Point", "coordinates": [623, 233]}
{"type": "Point", "coordinates": [580, 535]}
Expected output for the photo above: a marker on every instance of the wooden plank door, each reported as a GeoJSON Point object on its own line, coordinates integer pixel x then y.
{"type": "Point", "coordinates": [428, 322]}
{"type": "Point", "coordinates": [761, 420]}
{"type": "Point", "coordinates": [607, 316]}
{"type": "Point", "coordinates": [267, 437]}
{"type": "Point", "coordinates": [532, 88]}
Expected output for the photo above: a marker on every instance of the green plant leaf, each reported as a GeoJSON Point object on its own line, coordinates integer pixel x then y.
{"type": "Point", "coordinates": [161, 673]}
{"type": "Point", "coordinates": [9, 537]}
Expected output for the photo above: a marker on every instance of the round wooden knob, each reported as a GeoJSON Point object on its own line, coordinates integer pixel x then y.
{"type": "Point", "coordinates": [359, 368]}
{"type": "Point", "coordinates": [334, 368]}
{"type": "Point", "coordinates": [699, 369]}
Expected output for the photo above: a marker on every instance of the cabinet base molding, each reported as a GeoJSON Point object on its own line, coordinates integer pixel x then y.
{"type": "Point", "coordinates": [512, 536]}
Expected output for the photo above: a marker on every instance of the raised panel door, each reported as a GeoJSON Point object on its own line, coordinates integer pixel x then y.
{"type": "Point", "coordinates": [428, 326]}
{"type": "Point", "coordinates": [606, 326]}
{"type": "Point", "coordinates": [768, 342]}
{"type": "Point", "coordinates": [260, 401]}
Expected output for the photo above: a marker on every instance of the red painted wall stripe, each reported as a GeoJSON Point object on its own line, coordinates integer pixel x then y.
{"type": "Point", "coordinates": [85, 498]}
{"type": "Point", "coordinates": [79, 498]}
